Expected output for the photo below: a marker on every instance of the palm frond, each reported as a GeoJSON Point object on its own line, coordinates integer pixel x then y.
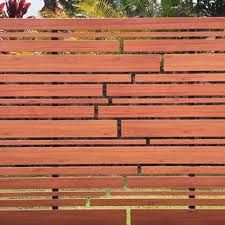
{"type": "Point", "coordinates": [99, 9]}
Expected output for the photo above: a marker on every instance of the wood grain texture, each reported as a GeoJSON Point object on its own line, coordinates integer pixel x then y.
{"type": "Point", "coordinates": [176, 182]}
{"type": "Point", "coordinates": [173, 128]}
{"type": "Point", "coordinates": [161, 111]}
{"type": "Point", "coordinates": [61, 182]}
{"type": "Point", "coordinates": [80, 63]}
{"type": "Point", "coordinates": [46, 111]}
{"type": "Point", "coordinates": [165, 89]}
{"type": "Point", "coordinates": [75, 90]}
{"type": "Point", "coordinates": [67, 128]}
{"type": "Point", "coordinates": [68, 217]}
{"type": "Point", "coordinates": [59, 46]}
{"type": "Point", "coordinates": [114, 24]}
{"type": "Point", "coordinates": [70, 78]}
{"type": "Point", "coordinates": [173, 45]}
{"type": "Point", "coordinates": [175, 217]}
{"type": "Point", "coordinates": [72, 170]}
{"type": "Point", "coordinates": [190, 62]}
{"type": "Point", "coordinates": [184, 170]}
{"type": "Point", "coordinates": [109, 155]}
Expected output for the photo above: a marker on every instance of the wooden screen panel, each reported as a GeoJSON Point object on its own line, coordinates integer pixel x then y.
{"type": "Point", "coordinates": [81, 63]}
{"type": "Point", "coordinates": [80, 217]}
{"type": "Point", "coordinates": [59, 46]}
{"type": "Point", "coordinates": [190, 62]}
{"type": "Point", "coordinates": [176, 217]}
{"type": "Point", "coordinates": [109, 155]}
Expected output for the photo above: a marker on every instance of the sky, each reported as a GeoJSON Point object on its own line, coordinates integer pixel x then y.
{"type": "Point", "coordinates": [35, 7]}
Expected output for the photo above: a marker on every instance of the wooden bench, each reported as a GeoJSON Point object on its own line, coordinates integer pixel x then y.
{"type": "Point", "coordinates": [112, 121]}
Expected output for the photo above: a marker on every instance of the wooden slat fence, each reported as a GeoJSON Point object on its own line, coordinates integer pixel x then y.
{"type": "Point", "coordinates": [112, 121]}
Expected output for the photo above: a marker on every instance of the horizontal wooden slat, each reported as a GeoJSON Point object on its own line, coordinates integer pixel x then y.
{"type": "Point", "coordinates": [42, 202]}
{"type": "Point", "coordinates": [197, 77]}
{"type": "Point", "coordinates": [194, 62]}
{"type": "Point", "coordinates": [80, 63]}
{"type": "Point", "coordinates": [173, 128]}
{"type": "Point", "coordinates": [177, 217]}
{"type": "Point", "coordinates": [157, 202]}
{"type": "Point", "coordinates": [66, 217]}
{"type": "Point", "coordinates": [114, 24]}
{"type": "Point", "coordinates": [15, 194]}
{"type": "Point", "coordinates": [83, 170]}
{"type": "Point", "coordinates": [183, 170]}
{"type": "Point", "coordinates": [76, 78]}
{"type": "Point", "coordinates": [59, 46]}
{"type": "Point", "coordinates": [175, 100]}
{"type": "Point", "coordinates": [194, 141]}
{"type": "Point", "coordinates": [53, 183]}
{"type": "Point", "coordinates": [160, 111]}
{"type": "Point", "coordinates": [46, 111]}
{"type": "Point", "coordinates": [165, 89]}
{"type": "Point", "coordinates": [67, 128]}
{"type": "Point", "coordinates": [173, 45]}
{"type": "Point", "coordinates": [62, 142]}
{"type": "Point", "coordinates": [176, 182]}
{"type": "Point", "coordinates": [76, 90]}
{"type": "Point", "coordinates": [112, 155]}
{"type": "Point", "coordinates": [78, 101]}
{"type": "Point", "coordinates": [157, 194]}
{"type": "Point", "coordinates": [114, 34]}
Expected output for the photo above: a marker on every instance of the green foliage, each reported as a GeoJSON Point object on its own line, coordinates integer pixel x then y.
{"type": "Point", "coordinates": [139, 8]}
{"type": "Point", "coordinates": [99, 9]}
{"type": "Point", "coordinates": [175, 8]}
{"type": "Point", "coordinates": [211, 8]}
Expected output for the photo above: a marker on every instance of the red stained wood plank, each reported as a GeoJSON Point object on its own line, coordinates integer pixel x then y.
{"type": "Point", "coordinates": [80, 63]}
{"type": "Point", "coordinates": [78, 101]}
{"type": "Point", "coordinates": [187, 141]}
{"type": "Point", "coordinates": [46, 111]}
{"type": "Point", "coordinates": [197, 77]}
{"type": "Point", "coordinates": [83, 170]}
{"type": "Point", "coordinates": [42, 202]}
{"type": "Point", "coordinates": [173, 45]}
{"type": "Point", "coordinates": [176, 182]}
{"type": "Point", "coordinates": [51, 194]}
{"type": "Point", "coordinates": [165, 100]}
{"type": "Point", "coordinates": [117, 24]}
{"type": "Point", "coordinates": [113, 155]}
{"type": "Point", "coordinates": [161, 111]}
{"type": "Point", "coordinates": [67, 128]}
{"type": "Point", "coordinates": [173, 128]}
{"type": "Point", "coordinates": [165, 89]}
{"type": "Point", "coordinates": [176, 217]}
{"type": "Point", "coordinates": [77, 78]}
{"type": "Point", "coordinates": [157, 202]}
{"type": "Point", "coordinates": [87, 217]}
{"type": "Point", "coordinates": [183, 170]}
{"type": "Point", "coordinates": [194, 62]}
{"type": "Point", "coordinates": [59, 46]}
{"type": "Point", "coordinates": [61, 182]}
{"type": "Point", "coordinates": [75, 90]}
{"type": "Point", "coordinates": [73, 142]}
